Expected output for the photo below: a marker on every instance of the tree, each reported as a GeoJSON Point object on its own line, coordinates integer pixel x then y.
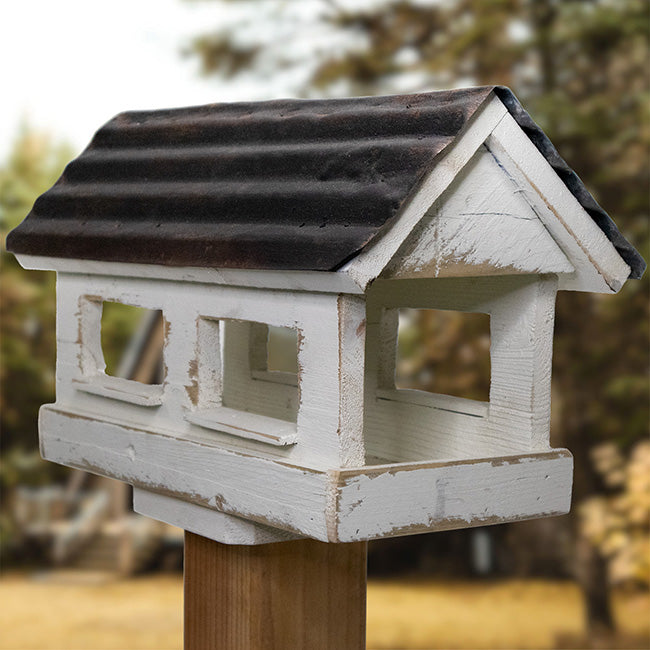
{"type": "Point", "coordinates": [27, 322]}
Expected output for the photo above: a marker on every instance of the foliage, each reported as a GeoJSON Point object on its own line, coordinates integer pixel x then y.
{"type": "Point", "coordinates": [27, 321]}
{"type": "Point", "coordinates": [119, 325]}
{"type": "Point", "coordinates": [27, 325]}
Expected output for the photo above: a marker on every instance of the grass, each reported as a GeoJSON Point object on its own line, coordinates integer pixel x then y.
{"type": "Point", "coordinates": [141, 614]}
{"type": "Point", "coordinates": [490, 615]}
{"type": "Point", "coordinates": [146, 614]}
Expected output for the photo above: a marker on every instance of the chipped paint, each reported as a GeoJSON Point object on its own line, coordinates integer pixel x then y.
{"type": "Point", "coordinates": [482, 225]}
{"type": "Point", "coordinates": [192, 389]}
{"type": "Point", "coordinates": [442, 496]}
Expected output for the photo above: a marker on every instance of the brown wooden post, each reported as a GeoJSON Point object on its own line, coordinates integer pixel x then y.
{"type": "Point", "coordinates": [289, 595]}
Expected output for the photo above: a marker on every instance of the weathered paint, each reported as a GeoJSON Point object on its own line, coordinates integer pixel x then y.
{"type": "Point", "coordinates": [344, 504]}
{"type": "Point", "coordinates": [226, 448]}
{"type": "Point", "coordinates": [483, 225]}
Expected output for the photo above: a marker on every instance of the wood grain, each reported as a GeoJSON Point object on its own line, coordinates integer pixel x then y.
{"type": "Point", "coordinates": [300, 594]}
{"type": "Point", "coordinates": [484, 225]}
{"type": "Point", "coordinates": [310, 502]}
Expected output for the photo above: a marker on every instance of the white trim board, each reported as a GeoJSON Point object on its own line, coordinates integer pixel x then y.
{"type": "Point", "coordinates": [598, 265]}
{"type": "Point", "coordinates": [312, 281]}
{"type": "Point", "coordinates": [223, 528]}
{"type": "Point", "coordinates": [193, 314]}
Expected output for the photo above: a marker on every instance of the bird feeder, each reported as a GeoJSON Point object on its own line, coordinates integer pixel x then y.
{"type": "Point", "coordinates": [324, 218]}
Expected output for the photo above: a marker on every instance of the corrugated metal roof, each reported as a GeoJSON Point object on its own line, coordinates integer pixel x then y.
{"type": "Point", "coordinates": [285, 184]}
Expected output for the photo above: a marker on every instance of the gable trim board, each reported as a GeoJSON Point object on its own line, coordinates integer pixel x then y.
{"type": "Point", "coordinates": [217, 187]}
{"type": "Point", "coordinates": [594, 256]}
{"type": "Point", "coordinates": [373, 259]}
{"type": "Point", "coordinates": [312, 281]}
{"type": "Point", "coordinates": [570, 180]}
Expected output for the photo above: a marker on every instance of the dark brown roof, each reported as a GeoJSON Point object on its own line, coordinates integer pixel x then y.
{"type": "Point", "coordinates": [286, 184]}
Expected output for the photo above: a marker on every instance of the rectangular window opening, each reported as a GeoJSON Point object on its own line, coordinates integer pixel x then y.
{"type": "Point", "coordinates": [444, 352]}
{"type": "Point", "coordinates": [132, 341]}
{"type": "Point", "coordinates": [247, 380]}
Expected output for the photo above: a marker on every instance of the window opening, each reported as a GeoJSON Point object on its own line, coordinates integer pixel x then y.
{"type": "Point", "coordinates": [132, 342]}
{"type": "Point", "coordinates": [242, 386]}
{"type": "Point", "coordinates": [444, 352]}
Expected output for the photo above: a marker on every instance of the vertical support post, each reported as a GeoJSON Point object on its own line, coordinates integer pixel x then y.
{"type": "Point", "coordinates": [298, 594]}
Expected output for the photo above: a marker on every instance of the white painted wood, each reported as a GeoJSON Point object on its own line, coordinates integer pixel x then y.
{"type": "Point", "coordinates": [258, 347]}
{"type": "Point", "coordinates": [121, 389]}
{"type": "Point", "coordinates": [259, 342]}
{"type": "Point", "coordinates": [443, 496]}
{"type": "Point", "coordinates": [244, 391]}
{"type": "Point", "coordinates": [435, 401]}
{"type": "Point", "coordinates": [406, 426]}
{"type": "Point", "coordinates": [223, 528]}
{"type": "Point", "coordinates": [260, 488]}
{"type": "Point", "coordinates": [92, 377]}
{"type": "Point", "coordinates": [185, 447]}
{"type": "Point", "coordinates": [373, 259]}
{"type": "Point", "coordinates": [351, 371]}
{"type": "Point", "coordinates": [339, 505]}
{"type": "Point", "coordinates": [246, 425]}
{"type": "Point", "coordinates": [598, 266]}
{"type": "Point", "coordinates": [192, 358]}
{"type": "Point", "coordinates": [207, 367]}
{"type": "Point", "coordinates": [318, 281]}
{"type": "Point", "coordinates": [482, 225]}
{"type": "Point", "coordinates": [276, 377]}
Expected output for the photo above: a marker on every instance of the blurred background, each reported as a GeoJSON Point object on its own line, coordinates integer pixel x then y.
{"type": "Point", "coordinates": [92, 574]}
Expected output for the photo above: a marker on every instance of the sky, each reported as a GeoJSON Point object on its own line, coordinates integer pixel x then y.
{"type": "Point", "coordinates": [68, 66]}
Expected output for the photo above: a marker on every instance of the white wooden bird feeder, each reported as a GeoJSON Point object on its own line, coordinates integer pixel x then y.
{"type": "Point", "coordinates": [326, 218]}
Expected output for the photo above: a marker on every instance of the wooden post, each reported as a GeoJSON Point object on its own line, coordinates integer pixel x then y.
{"type": "Point", "coordinates": [299, 594]}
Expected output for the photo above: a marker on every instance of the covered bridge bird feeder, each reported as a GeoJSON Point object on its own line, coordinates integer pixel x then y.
{"type": "Point", "coordinates": [325, 217]}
